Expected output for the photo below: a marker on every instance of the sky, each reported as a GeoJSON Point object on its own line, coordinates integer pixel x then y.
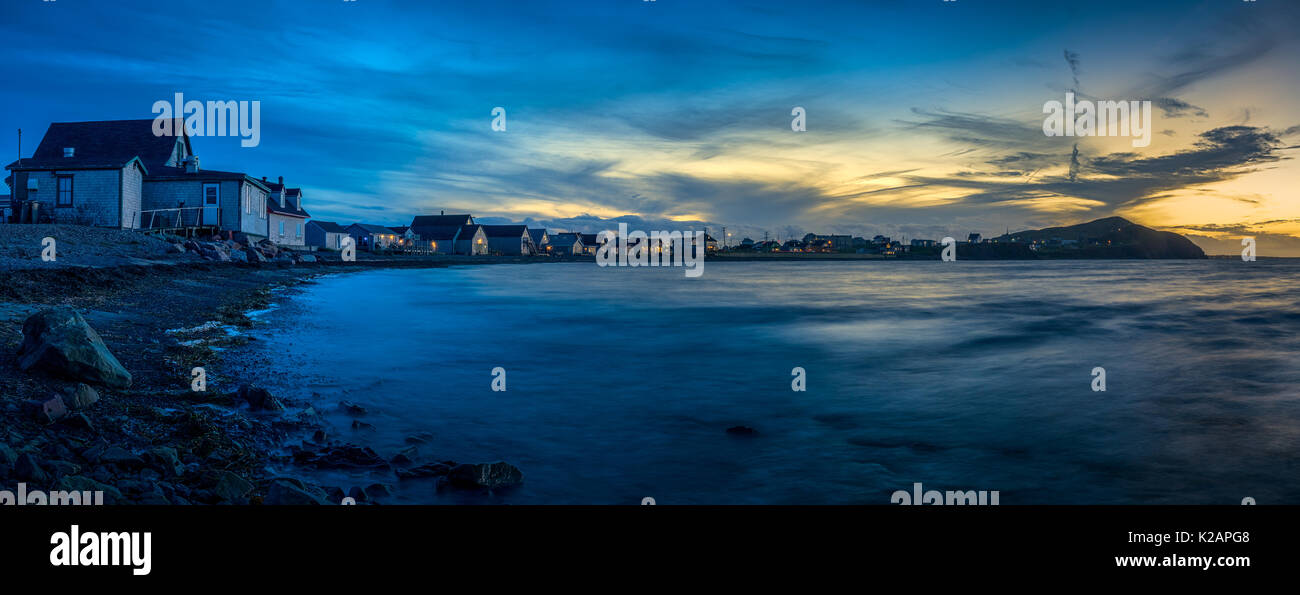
{"type": "Point", "coordinates": [924, 118]}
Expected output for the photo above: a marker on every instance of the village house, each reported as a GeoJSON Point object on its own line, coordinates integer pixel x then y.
{"type": "Point", "coordinates": [372, 237]}
{"type": "Point", "coordinates": [471, 240]}
{"type": "Point", "coordinates": [541, 240]}
{"type": "Point", "coordinates": [406, 235]}
{"type": "Point", "coordinates": [286, 218]}
{"type": "Point", "coordinates": [117, 173]}
{"type": "Point", "coordinates": [326, 235]}
{"type": "Point", "coordinates": [566, 243]}
{"type": "Point", "coordinates": [511, 240]}
{"type": "Point", "coordinates": [589, 243]}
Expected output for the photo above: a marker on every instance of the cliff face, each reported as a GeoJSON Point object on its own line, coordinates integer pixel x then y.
{"type": "Point", "coordinates": [1112, 237]}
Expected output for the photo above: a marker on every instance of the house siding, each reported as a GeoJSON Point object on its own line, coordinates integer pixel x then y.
{"type": "Point", "coordinates": [290, 237]}
{"type": "Point", "coordinates": [132, 185]}
{"type": "Point", "coordinates": [95, 195]}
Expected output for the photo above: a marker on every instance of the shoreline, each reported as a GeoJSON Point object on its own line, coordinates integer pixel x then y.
{"type": "Point", "coordinates": [158, 441]}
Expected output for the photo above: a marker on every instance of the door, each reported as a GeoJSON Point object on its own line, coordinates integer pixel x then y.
{"type": "Point", "coordinates": [211, 202]}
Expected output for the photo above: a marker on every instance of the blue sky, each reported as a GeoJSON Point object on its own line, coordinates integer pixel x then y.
{"type": "Point", "coordinates": [924, 117]}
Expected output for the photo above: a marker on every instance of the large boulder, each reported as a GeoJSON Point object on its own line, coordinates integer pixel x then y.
{"type": "Point", "coordinates": [287, 491]}
{"type": "Point", "coordinates": [59, 341]}
{"type": "Point", "coordinates": [485, 475]}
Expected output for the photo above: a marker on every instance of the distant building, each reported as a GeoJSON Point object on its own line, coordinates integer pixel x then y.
{"type": "Point", "coordinates": [372, 237]}
{"type": "Point", "coordinates": [541, 239]}
{"type": "Point", "coordinates": [589, 243]}
{"type": "Point", "coordinates": [470, 240]}
{"type": "Point", "coordinates": [325, 234]}
{"type": "Point", "coordinates": [923, 243]}
{"type": "Point", "coordinates": [566, 243]}
{"type": "Point", "coordinates": [512, 240]}
{"type": "Point", "coordinates": [973, 238]}
{"type": "Point", "coordinates": [285, 217]}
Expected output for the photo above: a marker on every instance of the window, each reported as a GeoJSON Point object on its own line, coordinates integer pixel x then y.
{"type": "Point", "coordinates": [248, 201]}
{"type": "Point", "coordinates": [65, 191]}
{"type": "Point", "coordinates": [211, 195]}
{"type": "Point", "coordinates": [281, 228]}
{"type": "Point", "coordinates": [300, 230]}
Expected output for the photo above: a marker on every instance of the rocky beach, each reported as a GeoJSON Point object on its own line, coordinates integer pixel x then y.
{"type": "Point", "coordinates": [97, 354]}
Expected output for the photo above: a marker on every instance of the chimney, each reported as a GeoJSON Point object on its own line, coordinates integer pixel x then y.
{"type": "Point", "coordinates": [192, 165]}
{"type": "Point", "coordinates": [69, 151]}
{"type": "Point", "coordinates": [263, 179]}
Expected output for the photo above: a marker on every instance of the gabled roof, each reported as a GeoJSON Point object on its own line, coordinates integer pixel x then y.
{"type": "Point", "coordinates": [372, 229]}
{"type": "Point", "coordinates": [538, 234]}
{"type": "Point", "coordinates": [437, 233]}
{"type": "Point", "coordinates": [169, 174]}
{"type": "Point", "coordinates": [467, 232]}
{"type": "Point", "coordinates": [291, 208]}
{"type": "Point", "coordinates": [109, 143]}
{"type": "Point", "coordinates": [505, 231]}
{"type": "Point", "coordinates": [328, 226]}
{"type": "Point", "coordinates": [442, 220]}
{"type": "Point", "coordinates": [563, 240]}
{"type": "Point", "coordinates": [401, 229]}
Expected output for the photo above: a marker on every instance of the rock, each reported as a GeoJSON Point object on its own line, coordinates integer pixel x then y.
{"type": "Point", "coordinates": [58, 340]}
{"type": "Point", "coordinates": [320, 437]}
{"type": "Point", "coordinates": [116, 455]}
{"type": "Point", "coordinates": [7, 455]}
{"type": "Point", "coordinates": [286, 491]}
{"type": "Point", "coordinates": [231, 487]}
{"type": "Point", "coordinates": [176, 249]}
{"type": "Point", "coordinates": [358, 494]}
{"type": "Point", "coordinates": [61, 468]}
{"type": "Point", "coordinates": [254, 255]}
{"type": "Point", "coordinates": [349, 456]}
{"type": "Point", "coordinates": [485, 475]}
{"type": "Point", "coordinates": [400, 459]}
{"type": "Point", "coordinates": [79, 420]}
{"type": "Point", "coordinates": [741, 431]}
{"type": "Point", "coordinates": [27, 468]}
{"type": "Point", "coordinates": [259, 399]}
{"type": "Point", "coordinates": [50, 410]}
{"type": "Point", "coordinates": [352, 408]}
{"type": "Point", "coordinates": [361, 425]}
{"type": "Point", "coordinates": [81, 396]}
{"type": "Point", "coordinates": [378, 490]}
{"type": "Point", "coordinates": [429, 470]}
{"type": "Point", "coordinates": [307, 258]}
{"type": "Point", "coordinates": [165, 459]}
{"type": "Point", "coordinates": [419, 438]}
{"type": "Point", "coordinates": [239, 256]}
{"type": "Point", "coordinates": [80, 483]}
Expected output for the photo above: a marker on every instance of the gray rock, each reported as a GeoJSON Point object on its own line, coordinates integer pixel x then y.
{"type": "Point", "coordinates": [27, 468]}
{"type": "Point", "coordinates": [59, 341]}
{"type": "Point", "coordinates": [286, 491]}
{"type": "Point", "coordinates": [116, 455]}
{"type": "Point", "coordinates": [239, 256]}
{"type": "Point", "coordinates": [49, 410]}
{"type": "Point", "coordinates": [80, 483]}
{"type": "Point", "coordinates": [231, 487]}
{"type": "Point", "coordinates": [259, 398]}
{"type": "Point", "coordinates": [165, 459]}
{"type": "Point", "coordinates": [485, 475]}
{"type": "Point", "coordinates": [81, 396]}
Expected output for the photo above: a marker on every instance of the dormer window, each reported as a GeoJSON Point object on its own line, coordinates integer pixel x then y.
{"type": "Point", "coordinates": [69, 151]}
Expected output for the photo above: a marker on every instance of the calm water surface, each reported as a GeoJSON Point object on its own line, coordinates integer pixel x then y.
{"type": "Point", "coordinates": [974, 375]}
